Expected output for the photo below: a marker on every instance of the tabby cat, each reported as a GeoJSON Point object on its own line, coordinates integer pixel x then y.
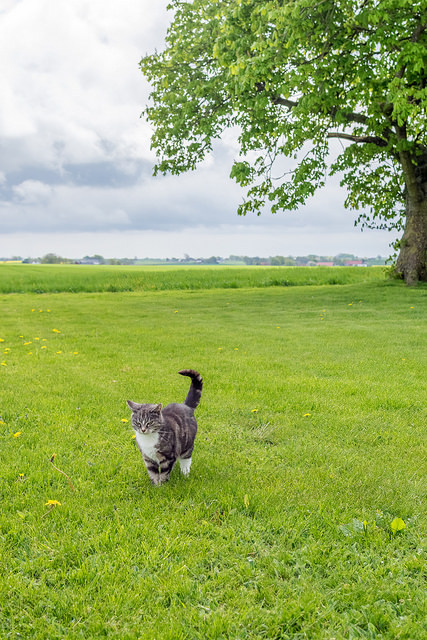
{"type": "Point", "coordinates": [165, 435]}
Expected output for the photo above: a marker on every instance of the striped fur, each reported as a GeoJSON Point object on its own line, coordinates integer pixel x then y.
{"type": "Point", "coordinates": [165, 435]}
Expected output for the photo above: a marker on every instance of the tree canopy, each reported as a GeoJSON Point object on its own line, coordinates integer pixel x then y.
{"type": "Point", "coordinates": [291, 75]}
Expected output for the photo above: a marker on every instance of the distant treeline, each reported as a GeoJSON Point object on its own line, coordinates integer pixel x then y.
{"type": "Point", "coordinates": [342, 259]}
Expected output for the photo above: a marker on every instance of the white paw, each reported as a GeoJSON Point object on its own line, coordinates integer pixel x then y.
{"type": "Point", "coordinates": [185, 466]}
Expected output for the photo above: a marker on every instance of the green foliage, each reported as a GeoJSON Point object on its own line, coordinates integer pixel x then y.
{"type": "Point", "coordinates": [289, 75]}
{"type": "Point", "coordinates": [311, 445]}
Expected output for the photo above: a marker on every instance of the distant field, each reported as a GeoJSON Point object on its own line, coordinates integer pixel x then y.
{"type": "Point", "coordinates": [304, 516]}
{"type": "Point", "coordinates": [80, 278]}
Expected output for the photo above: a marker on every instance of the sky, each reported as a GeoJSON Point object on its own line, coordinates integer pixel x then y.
{"type": "Point", "coordinates": [75, 160]}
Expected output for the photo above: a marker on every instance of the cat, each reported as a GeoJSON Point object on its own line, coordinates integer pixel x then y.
{"type": "Point", "coordinates": [165, 435]}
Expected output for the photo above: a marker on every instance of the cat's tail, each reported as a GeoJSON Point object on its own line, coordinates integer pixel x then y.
{"type": "Point", "coordinates": [195, 393]}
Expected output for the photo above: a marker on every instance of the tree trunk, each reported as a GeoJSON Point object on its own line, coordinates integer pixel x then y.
{"type": "Point", "coordinates": [411, 264]}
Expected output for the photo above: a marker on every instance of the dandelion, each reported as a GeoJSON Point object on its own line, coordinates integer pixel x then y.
{"type": "Point", "coordinates": [27, 343]}
{"type": "Point", "coordinates": [1, 339]}
{"type": "Point", "coordinates": [176, 311]}
{"type": "Point", "coordinates": [3, 364]}
{"type": "Point", "coordinates": [133, 437]}
{"type": "Point", "coordinates": [254, 410]}
{"type": "Point", "coordinates": [59, 352]}
{"type": "Point", "coordinates": [75, 353]}
{"type": "Point", "coordinates": [51, 504]}
{"type": "Point", "coordinates": [277, 327]}
{"type": "Point", "coordinates": [17, 434]}
{"type": "Point", "coordinates": [124, 420]}
{"type": "Point", "coordinates": [306, 415]}
{"type": "Point", "coordinates": [55, 331]}
{"type": "Point", "coordinates": [44, 347]}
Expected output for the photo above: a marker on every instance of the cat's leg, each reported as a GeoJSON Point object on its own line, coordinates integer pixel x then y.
{"type": "Point", "coordinates": [185, 464]}
{"type": "Point", "coordinates": [159, 472]}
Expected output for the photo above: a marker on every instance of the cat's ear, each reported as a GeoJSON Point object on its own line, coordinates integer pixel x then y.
{"type": "Point", "coordinates": [133, 405]}
{"type": "Point", "coordinates": [158, 408]}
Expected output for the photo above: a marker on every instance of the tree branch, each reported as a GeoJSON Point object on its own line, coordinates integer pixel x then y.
{"type": "Point", "coordinates": [290, 104]}
{"type": "Point", "coordinates": [380, 142]}
{"type": "Point", "coordinates": [285, 103]}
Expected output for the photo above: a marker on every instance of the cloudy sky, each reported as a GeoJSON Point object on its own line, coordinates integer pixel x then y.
{"type": "Point", "coordinates": [75, 159]}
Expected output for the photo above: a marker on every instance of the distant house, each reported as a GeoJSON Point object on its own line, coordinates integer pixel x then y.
{"type": "Point", "coordinates": [353, 263]}
{"type": "Point", "coordinates": [324, 264]}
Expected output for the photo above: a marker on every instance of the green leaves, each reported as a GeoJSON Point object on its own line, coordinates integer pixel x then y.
{"type": "Point", "coordinates": [289, 75]}
{"type": "Point", "coordinates": [397, 525]}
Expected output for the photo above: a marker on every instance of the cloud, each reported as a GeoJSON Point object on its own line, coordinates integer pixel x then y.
{"type": "Point", "coordinates": [71, 90]}
{"type": "Point", "coordinates": [76, 154]}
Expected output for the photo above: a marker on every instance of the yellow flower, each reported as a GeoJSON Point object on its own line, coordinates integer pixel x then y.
{"type": "Point", "coordinates": [59, 352]}
{"type": "Point", "coordinates": [27, 343]}
{"type": "Point", "coordinates": [254, 410]}
{"type": "Point", "coordinates": [306, 415]}
{"type": "Point", "coordinates": [133, 437]}
{"type": "Point", "coordinates": [17, 434]}
{"type": "Point", "coordinates": [44, 347]}
{"type": "Point", "coordinates": [3, 364]}
{"type": "Point", "coordinates": [124, 420]}
{"type": "Point", "coordinates": [52, 502]}
{"type": "Point", "coordinates": [1, 339]}
{"type": "Point", "coordinates": [55, 331]}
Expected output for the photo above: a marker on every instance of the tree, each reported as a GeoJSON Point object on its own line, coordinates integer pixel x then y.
{"type": "Point", "coordinates": [292, 75]}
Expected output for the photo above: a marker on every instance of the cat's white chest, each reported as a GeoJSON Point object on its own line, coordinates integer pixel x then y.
{"type": "Point", "coordinates": [147, 443]}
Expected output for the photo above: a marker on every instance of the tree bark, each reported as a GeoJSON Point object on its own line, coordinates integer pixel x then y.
{"type": "Point", "coordinates": [411, 264]}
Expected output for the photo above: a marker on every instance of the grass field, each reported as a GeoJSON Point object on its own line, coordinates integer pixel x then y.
{"type": "Point", "coordinates": [304, 514]}
{"type": "Point", "coordinates": [19, 278]}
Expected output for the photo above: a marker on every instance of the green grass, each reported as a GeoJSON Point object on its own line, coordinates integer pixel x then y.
{"type": "Point", "coordinates": [266, 538]}
{"type": "Point", "coordinates": [17, 278]}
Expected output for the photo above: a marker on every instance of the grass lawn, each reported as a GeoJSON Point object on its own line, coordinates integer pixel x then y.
{"type": "Point", "coordinates": [304, 514]}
